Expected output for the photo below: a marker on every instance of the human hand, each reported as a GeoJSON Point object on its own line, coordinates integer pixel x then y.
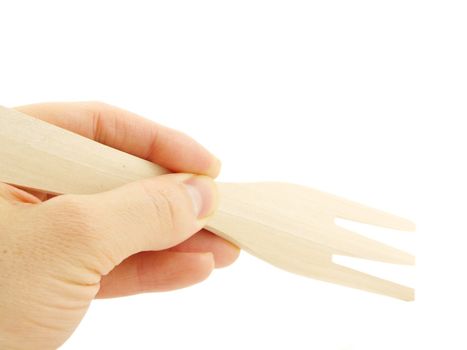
{"type": "Point", "coordinates": [58, 253]}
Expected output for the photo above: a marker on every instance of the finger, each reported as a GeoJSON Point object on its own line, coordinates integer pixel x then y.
{"type": "Point", "coordinates": [152, 214]}
{"type": "Point", "coordinates": [156, 272]}
{"type": "Point", "coordinates": [43, 196]}
{"type": "Point", "coordinates": [130, 133]}
{"type": "Point", "coordinates": [225, 253]}
{"type": "Point", "coordinates": [14, 194]}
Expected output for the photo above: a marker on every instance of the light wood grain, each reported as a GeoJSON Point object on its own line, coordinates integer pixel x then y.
{"type": "Point", "coordinates": [290, 226]}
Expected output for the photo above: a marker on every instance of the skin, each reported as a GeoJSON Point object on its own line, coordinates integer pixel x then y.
{"type": "Point", "coordinates": [58, 253]}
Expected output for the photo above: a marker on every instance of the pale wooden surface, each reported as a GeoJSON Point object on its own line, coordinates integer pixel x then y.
{"type": "Point", "coordinates": [290, 226]}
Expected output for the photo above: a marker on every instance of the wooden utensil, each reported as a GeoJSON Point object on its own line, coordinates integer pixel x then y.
{"type": "Point", "coordinates": [290, 226]}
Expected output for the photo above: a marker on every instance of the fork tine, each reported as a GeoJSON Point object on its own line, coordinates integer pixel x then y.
{"type": "Point", "coordinates": [352, 244]}
{"type": "Point", "coordinates": [355, 279]}
{"type": "Point", "coordinates": [341, 207]}
{"type": "Point", "coordinates": [349, 210]}
{"type": "Point", "coordinates": [342, 275]}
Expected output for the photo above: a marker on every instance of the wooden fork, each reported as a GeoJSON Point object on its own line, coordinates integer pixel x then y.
{"type": "Point", "coordinates": [290, 226]}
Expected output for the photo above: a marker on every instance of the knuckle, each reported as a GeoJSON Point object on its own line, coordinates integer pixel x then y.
{"type": "Point", "coordinates": [96, 105]}
{"type": "Point", "coordinates": [100, 115]}
{"type": "Point", "coordinates": [91, 108]}
{"type": "Point", "coordinates": [162, 201]}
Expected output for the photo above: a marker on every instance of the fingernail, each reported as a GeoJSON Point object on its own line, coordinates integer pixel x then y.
{"type": "Point", "coordinates": [215, 167]}
{"type": "Point", "coordinates": [210, 257]}
{"type": "Point", "coordinates": [203, 192]}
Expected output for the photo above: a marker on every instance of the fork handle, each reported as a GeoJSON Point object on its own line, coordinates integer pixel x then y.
{"type": "Point", "coordinates": [39, 155]}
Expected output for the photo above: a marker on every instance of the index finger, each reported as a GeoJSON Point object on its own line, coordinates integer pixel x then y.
{"type": "Point", "coordinates": [129, 133]}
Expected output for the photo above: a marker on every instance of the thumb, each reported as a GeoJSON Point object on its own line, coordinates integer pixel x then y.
{"type": "Point", "coordinates": [153, 214]}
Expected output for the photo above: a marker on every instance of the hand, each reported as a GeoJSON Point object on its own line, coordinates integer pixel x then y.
{"type": "Point", "coordinates": [59, 253]}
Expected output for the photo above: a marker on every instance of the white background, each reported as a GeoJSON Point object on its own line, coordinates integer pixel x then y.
{"type": "Point", "coordinates": [365, 99]}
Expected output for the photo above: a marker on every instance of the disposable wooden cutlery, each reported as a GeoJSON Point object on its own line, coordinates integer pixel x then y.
{"type": "Point", "coordinates": [290, 226]}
